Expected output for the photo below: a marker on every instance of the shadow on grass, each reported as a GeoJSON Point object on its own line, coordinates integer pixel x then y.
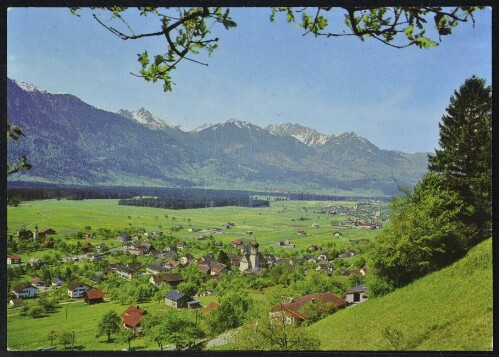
{"type": "Point", "coordinates": [97, 303]}
{"type": "Point", "coordinates": [138, 347]}
{"type": "Point", "coordinates": [69, 349]}
{"type": "Point", "coordinates": [107, 342]}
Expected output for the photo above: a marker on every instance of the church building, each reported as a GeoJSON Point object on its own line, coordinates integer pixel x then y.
{"type": "Point", "coordinates": [250, 262]}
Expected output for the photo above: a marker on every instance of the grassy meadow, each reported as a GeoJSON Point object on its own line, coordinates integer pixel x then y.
{"type": "Point", "coordinates": [448, 310]}
{"type": "Point", "coordinates": [26, 333]}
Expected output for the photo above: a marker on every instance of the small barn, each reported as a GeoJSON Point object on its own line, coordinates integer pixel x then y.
{"type": "Point", "coordinates": [93, 296]}
{"type": "Point", "coordinates": [47, 232]}
{"type": "Point", "coordinates": [356, 294]}
{"type": "Point", "coordinates": [176, 299]}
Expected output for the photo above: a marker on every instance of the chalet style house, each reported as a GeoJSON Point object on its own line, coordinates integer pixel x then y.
{"type": "Point", "coordinates": [25, 290]}
{"type": "Point", "coordinates": [132, 318]}
{"type": "Point", "coordinates": [292, 311]}
{"type": "Point", "coordinates": [77, 289]}
{"type": "Point", "coordinates": [14, 259]}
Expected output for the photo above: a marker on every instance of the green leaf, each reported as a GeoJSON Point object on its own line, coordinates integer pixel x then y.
{"type": "Point", "coordinates": [228, 24]}
{"type": "Point", "coordinates": [158, 59]}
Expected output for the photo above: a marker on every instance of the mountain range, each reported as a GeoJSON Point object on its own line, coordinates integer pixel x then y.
{"type": "Point", "coordinates": [71, 142]}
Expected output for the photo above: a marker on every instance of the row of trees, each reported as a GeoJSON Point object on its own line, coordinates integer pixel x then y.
{"type": "Point", "coordinates": [186, 202]}
{"type": "Point", "coordinates": [450, 209]}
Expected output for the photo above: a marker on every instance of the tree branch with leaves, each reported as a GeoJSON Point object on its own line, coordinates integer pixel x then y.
{"type": "Point", "coordinates": [14, 132]}
{"type": "Point", "coordinates": [187, 31]}
{"type": "Point", "coordinates": [397, 27]}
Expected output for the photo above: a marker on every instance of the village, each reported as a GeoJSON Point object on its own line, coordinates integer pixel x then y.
{"type": "Point", "coordinates": [189, 274]}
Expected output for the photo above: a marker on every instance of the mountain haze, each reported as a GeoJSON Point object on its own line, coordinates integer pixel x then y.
{"type": "Point", "coordinates": [69, 141]}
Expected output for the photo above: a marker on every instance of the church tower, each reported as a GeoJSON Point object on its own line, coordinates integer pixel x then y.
{"type": "Point", "coordinates": [35, 233]}
{"type": "Point", "coordinates": [254, 258]}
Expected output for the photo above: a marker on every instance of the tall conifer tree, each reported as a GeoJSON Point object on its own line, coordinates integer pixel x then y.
{"type": "Point", "coordinates": [465, 157]}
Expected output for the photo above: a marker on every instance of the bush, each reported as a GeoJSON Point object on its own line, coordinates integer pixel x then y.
{"type": "Point", "coordinates": [35, 311]}
{"type": "Point", "coordinates": [426, 233]}
{"type": "Point", "coordinates": [65, 338]}
{"type": "Point", "coordinates": [24, 310]}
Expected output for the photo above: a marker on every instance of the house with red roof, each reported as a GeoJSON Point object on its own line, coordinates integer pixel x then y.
{"type": "Point", "coordinates": [173, 263]}
{"type": "Point", "coordinates": [218, 268]}
{"type": "Point", "coordinates": [293, 311]}
{"type": "Point", "coordinates": [14, 259]}
{"type": "Point", "coordinates": [38, 282]}
{"type": "Point", "coordinates": [47, 231]}
{"type": "Point", "coordinates": [210, 307]}
{"type": "Point", "coordinates": [204, 268]}
{"type": "Point", "coordinates": [132, 317]}
{"type": "Point", "coordinates": [93, 296]}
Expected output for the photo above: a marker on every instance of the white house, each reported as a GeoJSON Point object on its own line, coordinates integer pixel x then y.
{"type": "Point", "coordinates": [77, 289]}
{"type": "Point", "coordinates": [25, 290]}
{"type": "Point", "coordinates": [126, 272]}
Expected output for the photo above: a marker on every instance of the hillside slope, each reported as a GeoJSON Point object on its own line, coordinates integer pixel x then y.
{"type": "Point", "coordinates": [447, 310]}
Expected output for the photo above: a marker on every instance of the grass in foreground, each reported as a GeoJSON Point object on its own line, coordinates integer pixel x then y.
{"type": "Point", "coordinates": [28, 334]}
{"type": "Point", "coordinates": [447, 310]}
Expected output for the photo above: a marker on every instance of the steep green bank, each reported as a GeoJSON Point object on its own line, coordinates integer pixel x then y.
{"type": "Point", "coordinates": [447, 310]}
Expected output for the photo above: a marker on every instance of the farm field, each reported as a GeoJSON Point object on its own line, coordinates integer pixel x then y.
{"type": "Point", "coordinates": [280, 221]}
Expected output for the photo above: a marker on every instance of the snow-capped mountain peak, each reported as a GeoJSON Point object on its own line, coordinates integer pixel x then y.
{"type": "Point", "coordinates": [239, 123]}
{"type": "Point", "coordinates": [308, 136]}
{"type": "Point", "coordinates": [145, 117]}
{"type": "Point", "coordinates": [29, 87]}
{"type": "Point", "coordinates": [231, 122]}
{"type": "Point", "coordinates": [202, 127]}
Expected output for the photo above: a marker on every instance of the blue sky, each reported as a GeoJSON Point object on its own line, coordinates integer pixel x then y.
{"type": "Point", "coordinates": [262, 72]}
